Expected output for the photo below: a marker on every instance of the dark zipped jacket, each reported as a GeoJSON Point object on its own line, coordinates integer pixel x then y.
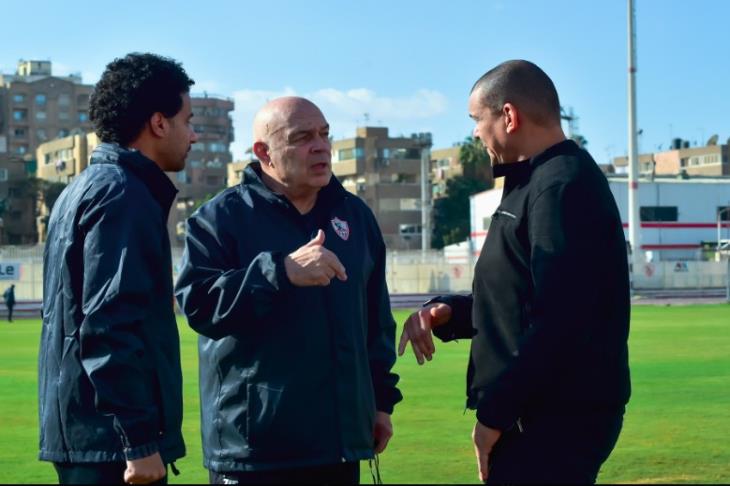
{"type": "Point", "coordinates": [549, 310]}
{"type": "Point", "coordinates": [110, 384]}
{"type": "Point", "coordinates": [289, 376]}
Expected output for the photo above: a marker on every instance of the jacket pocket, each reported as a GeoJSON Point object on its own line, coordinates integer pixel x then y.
{"type": "Point", "coordinates": [263, 407]}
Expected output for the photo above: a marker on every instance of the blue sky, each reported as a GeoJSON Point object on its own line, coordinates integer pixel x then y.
{"type": "Point", "coordinates": [408, 64]}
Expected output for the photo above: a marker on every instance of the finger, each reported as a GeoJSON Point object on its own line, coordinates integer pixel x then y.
{"type": "Point", "coordinates": [424, 320]}
{"type": "Point", "coordinates": [483, 460]}
{"type": "Point", "coordinates": [318, 240]}
{"type": "Point", "coordinates": [402, 343]}
{"type": "Point", "coordinates": [381, 445]}
{"type": "Point", "coordinates": [417, 352]}
{"type": "Point", "coordinates": [338, 267]}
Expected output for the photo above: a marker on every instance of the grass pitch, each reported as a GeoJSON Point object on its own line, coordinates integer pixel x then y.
{"type": "Point", "coordinates": [675, 429]}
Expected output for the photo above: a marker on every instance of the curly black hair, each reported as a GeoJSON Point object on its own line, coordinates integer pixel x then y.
{"type": "Point", "coordinates": [131, 90]}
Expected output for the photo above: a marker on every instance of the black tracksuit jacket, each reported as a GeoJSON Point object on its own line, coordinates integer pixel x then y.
{"type": "Point", "coordinates": [290, 376]}
{"type": "Point", "coordinates": [549, 311]}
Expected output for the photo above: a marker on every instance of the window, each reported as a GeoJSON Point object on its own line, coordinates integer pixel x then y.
{"type": "Point", "coordinates": [18, 98]}
{"type": "Point", "coordinates": [63, 115]}
{"type": "Point", "coordinates": [182, 177]}
{"type": "Point", "coordinates": [403, 204]}
{"type": "Point", "coordinates": [213, 180]}
{"type": "Point", "coordinates": [725, 215]}
{"type": "Point", "coordinates": [82, 99]}
{"type": "Point", "coordinates": [21, 149]}
{"type": "Point", "coordinates": [658, 213]}
{"type": "Point", "coordinates": [41, 134]}
{"type": "Point", "coordinates": [63, 133]}
{"type": "Point", "coordinates": [40, 99]}
{"type": "Point", "coordinates": [3, 175]}
{"type": "Point", "coordinates": [351, 153]}
{"type": "Point", "coordinates": [40, 115]}
{"type": "Point", "coordinates": [20, 115]}
{"type": "Point", "coordinates": [83, 116]}
{"type": "Point", "coordinates": [19, 132]}
{"type": "Point", "coordinates": [64, 99]}
{"type": "Point", "coordinates": [195, 164]}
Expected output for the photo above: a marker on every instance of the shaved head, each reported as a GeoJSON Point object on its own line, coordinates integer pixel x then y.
{"type": "Point", "coordinates": [291, 139]}
{"type": "Point", "coordinates": [523, 84]}
{"type": "Point", "coordinates": [277, 114]}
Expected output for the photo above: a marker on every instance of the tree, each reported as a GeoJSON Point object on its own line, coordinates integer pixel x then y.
{"type": "Point", "coordinates": [451, 222]}
{"type": "Point", "coordinates": [451, 213]}
{"type": "Point", "coordinates": [475, 160]}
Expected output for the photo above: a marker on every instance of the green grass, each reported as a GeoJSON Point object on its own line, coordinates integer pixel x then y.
{"type": "Point", "coordinates": [675, 430]}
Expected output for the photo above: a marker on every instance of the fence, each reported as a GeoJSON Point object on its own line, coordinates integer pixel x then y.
{"type": "Point", "coordinates": [406, 273]}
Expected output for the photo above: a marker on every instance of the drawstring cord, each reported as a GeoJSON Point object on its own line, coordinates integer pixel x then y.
{"type": "Point", "coordinates": [375, 474]}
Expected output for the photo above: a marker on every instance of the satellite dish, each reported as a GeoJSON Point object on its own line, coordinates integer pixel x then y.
{"type": "Point", "coordinates": [713, 140]}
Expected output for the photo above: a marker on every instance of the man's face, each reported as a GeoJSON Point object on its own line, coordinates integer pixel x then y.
{"type": "Point", "coordinates": [180, 138]}
{"type": "Point", "coordinates": [490, 128]}
{"type": "Point", "coordinates": [300, 150]}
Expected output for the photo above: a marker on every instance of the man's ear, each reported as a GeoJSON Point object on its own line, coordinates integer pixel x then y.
{"type": "Point", "coordinates": [159, 125]}
{"type": "Point", "coordinates": [261, 151]}
{"type": "Point", "coordinates": [512, 117]}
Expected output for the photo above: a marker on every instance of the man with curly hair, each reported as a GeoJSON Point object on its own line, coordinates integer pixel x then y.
{"type": "Point", "coordinates": [110, 383]}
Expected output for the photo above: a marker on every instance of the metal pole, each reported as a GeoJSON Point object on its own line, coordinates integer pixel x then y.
{"type": "Point", "coordinates": [633, 186]}
{"type": "Point", "coordinates": [425, 196]}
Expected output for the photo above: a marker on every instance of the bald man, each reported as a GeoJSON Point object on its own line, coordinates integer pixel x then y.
{"type": "Point", "coordinates": [283, 277]}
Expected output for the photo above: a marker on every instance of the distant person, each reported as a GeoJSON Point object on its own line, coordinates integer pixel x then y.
{"type": "Point", "coordinates": [283, 276]}
{"type": "Point", "coordinates": [110, 384]}
{"type": "Point", "coordinates": [9, 298]}
{"type": "Point", "coordinates": [548, 318]}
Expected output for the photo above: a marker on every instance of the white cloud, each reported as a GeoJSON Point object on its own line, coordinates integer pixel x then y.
{"type": "Point", "coordinates": [345, 110]}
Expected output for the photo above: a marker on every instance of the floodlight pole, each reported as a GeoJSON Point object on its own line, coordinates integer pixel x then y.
{"type": "Point", "coordinates": [425, 194]}
{"type": "Point", "coordinates": [633, 185]}
{"type": "Point", "coordinates": [720, 212]}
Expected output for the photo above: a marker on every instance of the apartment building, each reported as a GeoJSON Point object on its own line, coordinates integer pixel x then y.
{"type": "Point", "coordinates": [36, 106]}
{"type": "Point", "coordinates": [385, 172]}
{"type": "Point", "coordinates": [205, 173]}
{"type": "Point", "coordinates": [681, 159]}
{"type": "Point", "coordinates": [17, 202]}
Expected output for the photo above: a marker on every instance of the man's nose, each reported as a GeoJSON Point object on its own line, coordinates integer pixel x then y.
{"type": "Point", "coordinates": [321, 143]}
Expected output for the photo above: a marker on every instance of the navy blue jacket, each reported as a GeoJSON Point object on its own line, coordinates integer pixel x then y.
{"type": "Point", "coordinates": [110, 384]}
{"type": "Point", "coordinates": [290, 376]}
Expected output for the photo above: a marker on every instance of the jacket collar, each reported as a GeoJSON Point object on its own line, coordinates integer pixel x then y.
{"type": "Point", "coordinates": [329, 195]}
{"type": "Point", "coordinates": [156, 181]}
{"type": "Point", "coordinates": [523, 168]}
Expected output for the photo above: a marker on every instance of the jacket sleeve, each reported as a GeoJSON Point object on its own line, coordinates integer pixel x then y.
{"type": "Point", "coordinates": [564, 231]}
{"type": "Point", "coordinates": [217, 298]}
{"type": "Point", "coordinates": [460, 325]}
{"type": "Point", "coordinates": [381, 334]}
{"type": "Point", "coordinates": [118, 262]}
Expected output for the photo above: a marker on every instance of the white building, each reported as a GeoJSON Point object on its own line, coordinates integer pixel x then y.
{"type": "Point", "coordinates": [678, 216]}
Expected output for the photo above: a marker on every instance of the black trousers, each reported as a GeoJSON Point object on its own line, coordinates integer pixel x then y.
{"type": "Point", "coordinates": [345, 473]}
{"type": "Point", "coordinates": [555, 449]}
{"type": "Point", "coordinates": [10, 312]}
{"type": "Point", "coordinates": [93, 473]}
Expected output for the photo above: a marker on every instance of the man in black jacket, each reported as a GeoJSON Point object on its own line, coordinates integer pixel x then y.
{"type": "Point", "coordinates": [110, 383]}
{"type": "Point", "coordinates": [549, 314]}
{"type": "Point", "coordinates": [283, 276]}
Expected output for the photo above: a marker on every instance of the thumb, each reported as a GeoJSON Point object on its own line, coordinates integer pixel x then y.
{"type": "Point", "coordinates": [317, 240]}
{"type": "Point", "coordinates": [440, 314]}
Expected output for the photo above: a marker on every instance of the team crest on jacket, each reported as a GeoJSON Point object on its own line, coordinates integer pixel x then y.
{"type": "Point", "coordinates": [341, 228]}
